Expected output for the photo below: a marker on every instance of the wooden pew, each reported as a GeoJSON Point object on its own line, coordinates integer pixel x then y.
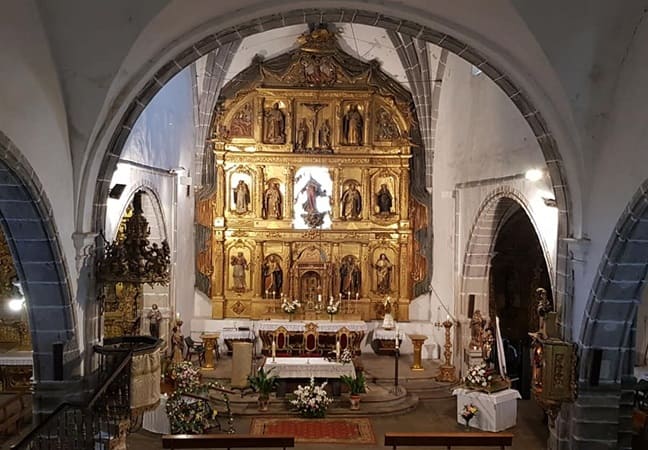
{"type": "Point", "coordinates": [179, 441]}
{"type": "Point", "coordinates": [449, 440]}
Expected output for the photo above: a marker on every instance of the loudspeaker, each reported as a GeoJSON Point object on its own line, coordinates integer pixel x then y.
{"type": "Point", "coordinates": [57, 356]}
{"type": "Point", "coordinates": [116, 191]}
{"type": "Point", "coordinates": [471, 304]}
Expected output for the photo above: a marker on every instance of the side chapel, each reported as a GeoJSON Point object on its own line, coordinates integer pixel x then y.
{"type": "Point", "coordinates": [309, 193]}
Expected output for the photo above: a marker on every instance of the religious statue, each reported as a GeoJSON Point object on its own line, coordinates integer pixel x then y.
{"type": "Point", "coordinates": [383, 269]}
{"type": "Point", "coordinates": [349, 276]}
{"type": "Point", "coordinates": [241, 124]}
{"type": "Point", "coordinates": [353, 126]}
{"type": "Point", "coordinates": [154, 317]}
{"type": "Point", "coordinates": [325, 135]}
{"type": "Point", "coordinates": [272, 202]}
{"type": "Point", "coordinates": [239, 266]}
{"type": "Point", "coordinates": [477, 331]}
{"type": "Point", "coordinates": [275, 126]}
{"type": "Point", "coordinates": [387, 128]}
{"type": "Point", "coordinates": [177, 345]}
{"type": "Point", "coordinates": [488, 348]}
{"type": "Point", "coordinates": [313, 217]}
{"type": "Point", "coordinates": [351, 203]}
{"type": "Point", "coordinates": [544, 306]}
{"type": "Point", "coordinates": [388, 320]}
{"type": "Point", "coordinates": [272, 277]}
{"type": "Point", "coordinates": [302, 135]}
{"type": "Point", "coordinates": [241, 197]}
{"type": "Point", "coordinates": [384, 200]}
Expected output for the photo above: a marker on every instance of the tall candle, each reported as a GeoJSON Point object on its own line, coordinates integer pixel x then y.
{"type": "Point", "coordinates": [319, 298]}
{"type": "Point", "coordinates": [348, 295]}
{"type": "Point", "coordinates": [337, 350]}
{"type": "Point", "coordinates": [357, 296]}
{"type": "Point", "coordinates": [274, 349]}
{"type": "Point", "coordinates": [448, 317]}
{"type": "Point", "coordinates": [177, 316]}
{"type": "Point", "coordinates": [331, 300]}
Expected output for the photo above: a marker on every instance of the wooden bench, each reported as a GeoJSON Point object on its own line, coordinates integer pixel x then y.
{"type": "Point", "coordinates": [15, 412]}
{"type": "Point", "coordinates": [449, 440]}
{"type": "Point", "coordinates": [178, 441]}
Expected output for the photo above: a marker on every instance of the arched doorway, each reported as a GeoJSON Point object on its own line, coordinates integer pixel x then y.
{"type": "Point", "coordinates": [517, 269]}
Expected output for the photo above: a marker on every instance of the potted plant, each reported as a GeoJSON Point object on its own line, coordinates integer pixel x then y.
{"type": "Point", "coordinates": [357, 386]}
{"type": "Point", "coordinates": [311, 400]}
{"type": "Point", "coordinates": [263, 383]}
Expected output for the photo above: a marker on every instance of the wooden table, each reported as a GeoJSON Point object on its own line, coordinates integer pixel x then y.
{"type": "Point", "coordinates": [417, 341]}
{"type": "Point", "coordinates": [209, 339]}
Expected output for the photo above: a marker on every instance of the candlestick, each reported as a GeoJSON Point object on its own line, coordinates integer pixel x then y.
{"type": "Point", "coordinates": [340, 294]}
{"type": "Point", "coordinates": [337, 350]}
{"type": "Point", "coordinates": [319, 298]}
{"type": "Point", "coordinates": [267, 293]}
{"type": "Point", "coordinates": [177, 316]}
{"type": "Point", "coordinates": [331, 300]}
{"type": "Point", "coordinates": [447, 370]}
{"type": "Point", "coordinates": [348, 295]}
{"type": "Point", "coordinates": [274, 350]}
{"type": "Point", "coordinates": [357, 296]}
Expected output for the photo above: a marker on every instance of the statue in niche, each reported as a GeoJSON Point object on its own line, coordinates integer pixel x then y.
{"type": "Point", "coordinates": [241, 197]}
{"type": "Point", "coordinates": [350, 276]}
{"type": "Point", "coordinates": [384, 200]}
{"type": "Point", "coordinates": [241, 124]}
{"type": "Point", "coordinates": [477, 331]}
{"type": "Point", "coordinates": [383, 269]}
{"type": "Point", "coordinates": [313, 218]}
{"type": "Point", "coordinates": [239, 266]}
{"type": "Point", "coordinates": [351, 203]}
{"type": "Point", "coordinates": [387, 128]}
{"type": "Point", "coordinates": [275, 125]}
{"type": "Point", "coordinates": [544, 307]}
{"type": "Point", "coordinates": [325, 135]}
{"type": "Point", "coordinates": [302, 135]}
{"type": "Point", "coordinates": [353, 126]}
{"type": "Point", "coordinates": [272, 277]}
{"type": "Point", "coordinates": [272, 202]}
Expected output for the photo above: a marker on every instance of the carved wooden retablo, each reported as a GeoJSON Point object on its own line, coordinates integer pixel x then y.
{"type": "Point", "coordinates": [310, 194]}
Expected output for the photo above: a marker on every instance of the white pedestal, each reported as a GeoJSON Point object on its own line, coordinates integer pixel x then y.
{"type": "Point", "coordinates": [497, 411]}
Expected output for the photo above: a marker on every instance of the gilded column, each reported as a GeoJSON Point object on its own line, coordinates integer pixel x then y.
{"type": "Point", "coordinates": [289, 173]}
{"type": "Point", "coordinates": [404, 193]}
{"type": "Point", "coordinates": [255, 269]}
{"type": "Point", "coordinates": [261, 182]}
{"type": "Point", "coordinates": [221, 188]}
{"type": "Point", "coordinates": [367, 204]}
{"type": "Point", "coordinates": [335, 195]}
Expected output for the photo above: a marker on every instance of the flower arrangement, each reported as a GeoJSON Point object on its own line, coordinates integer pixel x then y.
{"type": "Point", "coordinates": [469, 411]}
{"type": "Point", "coordinates": [347, 356]}
{"type": "Point", "coordinates": [311, 400]}
{"type": "Point", "coordinates": [290, 307]}
{"type": "Point", "coordinates": [188, 408]}
{"type": "Point", "coordinates": [482, 378]}
{"type": "Point", "coordinates": [333, 308]}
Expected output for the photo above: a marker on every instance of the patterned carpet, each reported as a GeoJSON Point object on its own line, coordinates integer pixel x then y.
{"type": "Point", "coordinates": [330, 431]}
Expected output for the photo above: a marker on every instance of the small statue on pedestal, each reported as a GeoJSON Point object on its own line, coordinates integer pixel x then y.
{"type": "Point", "coordinates": [477, 331]}
{"type": "Point", "coordinates": [388, 321]}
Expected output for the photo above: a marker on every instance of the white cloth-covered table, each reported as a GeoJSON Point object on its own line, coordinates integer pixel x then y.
{"type": "Point", "coordinates": [323, 326]}
{"type": "Point", "coordinates": [308, 367]}
{"type": "Point", "coordinates": [156, 420]}
{"type": "Point", "coordinates": [496, 411]}
{"type": "Point", "coordinates": [17, 359]}
{"type": "Point", "coordinates": [237, 335]}
{"type": "Point", "coordinates": [386, 335]}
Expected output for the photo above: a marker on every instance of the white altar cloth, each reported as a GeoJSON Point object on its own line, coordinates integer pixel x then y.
{"type": "Point", "coordinates": [237, 335]}
{"type": "Point", "coordinates": [387, 335]}
{"type": "Point", "coordinates": [308, 367]}
{"type": "Point", "coordinates": [17, 359]}
{"type": "Point", "coordinates": [156, 420]}
{"type": "Point", "coordinates": [496, 411]}
{"type": "Point", "coordinates": [323, 326]}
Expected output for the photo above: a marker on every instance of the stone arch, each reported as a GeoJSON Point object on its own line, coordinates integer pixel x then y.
{"type": "Point", "coordinates": [492, 214]}
{"type": "Point", "coordinates": [546, 141]}
{"type": "Point", "coordinates": [608, 322]}
{"type": "Point", "coordinates": [26, 220]}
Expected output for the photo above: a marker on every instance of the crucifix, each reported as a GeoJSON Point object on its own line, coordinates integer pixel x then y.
{"type": "Point", "coordinates": [316, 108]}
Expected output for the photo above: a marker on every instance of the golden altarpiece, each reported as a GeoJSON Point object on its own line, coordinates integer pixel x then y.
{"type": "Point", "coordinates": [310, 197]}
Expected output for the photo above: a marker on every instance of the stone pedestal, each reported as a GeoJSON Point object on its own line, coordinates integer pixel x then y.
{"type": "Point", "coordinates": [472, 357]}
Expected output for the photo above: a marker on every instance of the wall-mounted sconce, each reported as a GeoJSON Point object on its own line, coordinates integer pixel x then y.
{"type": "Point", "coordinates": [116, 191]}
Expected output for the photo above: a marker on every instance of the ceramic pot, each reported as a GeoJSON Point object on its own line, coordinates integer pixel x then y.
{"type": "Point", "coordinates": [355, 402]}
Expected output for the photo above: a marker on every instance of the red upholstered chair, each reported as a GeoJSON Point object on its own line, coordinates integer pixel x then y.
{"type": "Point", "coordinates": [281, 338]}
{"type": "Point", "coordinates": [311, 345]}
{"type": "Point", "coordinates": [344, 337]}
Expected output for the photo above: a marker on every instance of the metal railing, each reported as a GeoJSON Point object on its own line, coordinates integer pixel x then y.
{"type": "Point", "coordinates": [90, 425]}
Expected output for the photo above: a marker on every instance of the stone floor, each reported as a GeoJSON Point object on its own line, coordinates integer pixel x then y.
{"type": "Point", "coordinates": [434, 411]}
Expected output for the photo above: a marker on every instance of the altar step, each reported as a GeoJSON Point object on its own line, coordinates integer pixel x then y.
{"type": "Point", "coordinates": [429, 389]}
{"type": "Point", "coordinates": [379, 400]}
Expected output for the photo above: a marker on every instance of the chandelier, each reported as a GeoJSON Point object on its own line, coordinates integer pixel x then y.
{"type": "Point", "coordinates": [133, 258]}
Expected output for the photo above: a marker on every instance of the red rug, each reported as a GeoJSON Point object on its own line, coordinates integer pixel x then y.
{"type": "Point", "coordinates": [330, 431]}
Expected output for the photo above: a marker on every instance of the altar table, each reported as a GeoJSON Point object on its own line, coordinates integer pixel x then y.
{"type": "Point", "coordinates": [231, 335]}
{"type": "Point", "coordinates": [307, 368]}
{"type": "Point", "coordinates": [496, 411]}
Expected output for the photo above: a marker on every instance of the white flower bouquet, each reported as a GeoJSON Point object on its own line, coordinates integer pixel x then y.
{"type": "Point", "coordinates": [333, 308]}
{"type": "Point", "coordinates": [311, 400]}
{"type": "Point", "coordinates": [481, 378]}
{"type": "Point", "coordinates": [290, 307]}
{"type": "Point", "coordinates": [347, 356]}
